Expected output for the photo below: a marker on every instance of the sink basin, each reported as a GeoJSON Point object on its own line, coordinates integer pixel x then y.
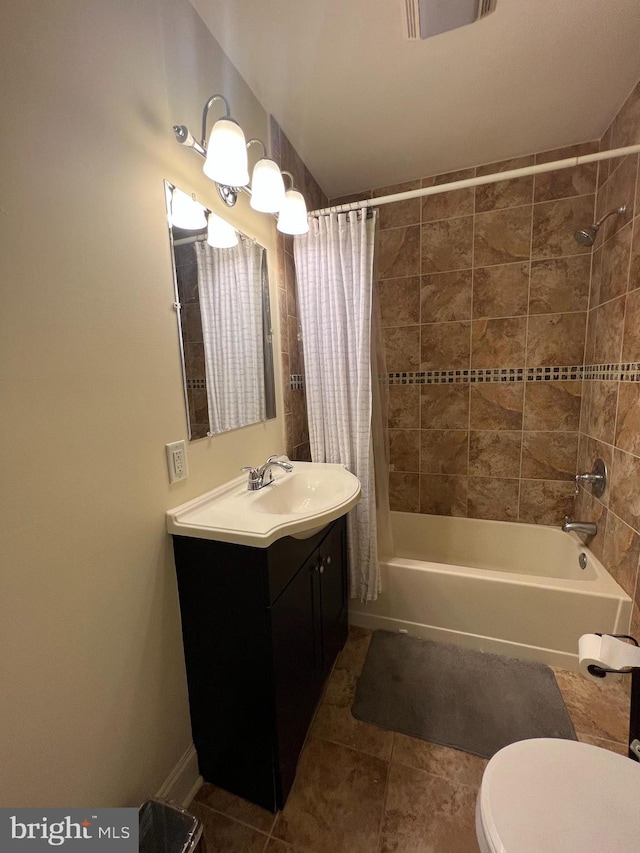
{"type": "Point", "coordinates": [296, 504]}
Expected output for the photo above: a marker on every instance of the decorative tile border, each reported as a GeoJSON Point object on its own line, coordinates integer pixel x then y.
{"type": "Point", "coordinates": [196, 384]}
{"type": "Point", "coordinates": [628, 372]}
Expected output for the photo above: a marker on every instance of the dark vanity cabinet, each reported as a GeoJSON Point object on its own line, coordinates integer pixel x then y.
{"type": "Point", "coordinates": [262, 628]}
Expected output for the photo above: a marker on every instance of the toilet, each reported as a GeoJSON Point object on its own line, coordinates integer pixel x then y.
{"type": "Point", "coordinates": [548, 795]}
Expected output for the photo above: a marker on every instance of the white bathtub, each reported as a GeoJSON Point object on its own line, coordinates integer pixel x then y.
{"type": "Point", "coordinates": [514, 589]}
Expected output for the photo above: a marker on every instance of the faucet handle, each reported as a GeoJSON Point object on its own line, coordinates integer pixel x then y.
{"type": "Point", "coordinates": [253, 472]}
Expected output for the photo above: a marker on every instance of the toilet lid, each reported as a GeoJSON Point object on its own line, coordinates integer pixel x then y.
{"type": "Point", "coordinates": [560, 796]}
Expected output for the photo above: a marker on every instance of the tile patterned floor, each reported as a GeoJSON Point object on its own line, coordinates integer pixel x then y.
{"type": "Point", "coordinates": [361, 789]}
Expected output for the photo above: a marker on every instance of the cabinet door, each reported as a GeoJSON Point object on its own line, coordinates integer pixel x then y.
{"type": "Point", "coordinates": [298, 672]}
{"type": "Point", "coordinates": [334, 596]}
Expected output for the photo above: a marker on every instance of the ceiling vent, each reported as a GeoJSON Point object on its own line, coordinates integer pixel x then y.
{"type": "Point", "coordinates": [426, 18]}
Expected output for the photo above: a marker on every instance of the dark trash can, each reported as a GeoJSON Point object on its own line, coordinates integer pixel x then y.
{"type": "Point", "coordinates": [167, 829]}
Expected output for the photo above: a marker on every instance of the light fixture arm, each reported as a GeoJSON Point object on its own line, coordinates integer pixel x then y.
{"type": "Point", "coordinates": [205, 115]}
{"type": "Point", "coordinates": [291, 176]}
{"type": "Point", "coordinates": [260, 142]}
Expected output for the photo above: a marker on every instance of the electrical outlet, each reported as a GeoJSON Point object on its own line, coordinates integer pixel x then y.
{"type": "Point", "coordinates": [177, 461]}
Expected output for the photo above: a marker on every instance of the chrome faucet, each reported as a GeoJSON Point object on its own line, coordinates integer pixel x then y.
{"type": "Point", "coordinates": [262, 476]}
{"type": "Point", "coordinates": [587, 528]}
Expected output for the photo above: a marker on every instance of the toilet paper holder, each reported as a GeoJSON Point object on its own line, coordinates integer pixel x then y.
{"type": "Point", "coordinates": [634, 715]}
{"type": "Point", "coordinates": [601, 671]}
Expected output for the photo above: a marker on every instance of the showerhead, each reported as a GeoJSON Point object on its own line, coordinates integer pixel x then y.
{"type": "Point", "coordinates": [587, 236]}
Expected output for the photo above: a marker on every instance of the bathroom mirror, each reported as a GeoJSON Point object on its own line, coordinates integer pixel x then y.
{"type": "Point", "coordinates": [224, 320]}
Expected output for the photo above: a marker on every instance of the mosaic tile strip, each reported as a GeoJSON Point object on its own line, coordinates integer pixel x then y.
{"type": "Point", "coordinates": [627, 372]}
{"type": "Point", "coordinates": [196, 384]}
{"type": "Point", "coordinates": [296, 382]}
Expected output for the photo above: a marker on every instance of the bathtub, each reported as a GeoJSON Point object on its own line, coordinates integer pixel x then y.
{"type": "Point", "coordinates": [504, 587]}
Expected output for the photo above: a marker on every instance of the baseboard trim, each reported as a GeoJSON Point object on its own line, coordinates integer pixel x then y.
{"type": "Point", "coordinates": [184, 781]}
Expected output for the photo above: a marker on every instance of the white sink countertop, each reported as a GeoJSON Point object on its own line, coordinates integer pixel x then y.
{"type": "Point", "coordinates": [296, 504]}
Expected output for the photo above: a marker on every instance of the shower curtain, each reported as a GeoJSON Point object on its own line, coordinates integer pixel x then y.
{"type": "Point", "coordinates": [334, 272]}
{"type": "Point", "coordinates": [230, 290]}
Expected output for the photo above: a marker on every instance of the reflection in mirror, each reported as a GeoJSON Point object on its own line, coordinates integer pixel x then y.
{"type": "Point", "coordinates": [222, 299]}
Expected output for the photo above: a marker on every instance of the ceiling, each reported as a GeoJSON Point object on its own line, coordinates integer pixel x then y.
{"type": "Point", "coordinates": [365, 107]}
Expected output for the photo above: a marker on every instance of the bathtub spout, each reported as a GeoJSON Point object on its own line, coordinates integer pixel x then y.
{"type": "Point", "coordinates": [587, 528]}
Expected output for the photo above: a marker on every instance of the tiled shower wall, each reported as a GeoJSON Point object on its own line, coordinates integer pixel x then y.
{"type": "Point", "coordinates": [296, 425]}
{"type": "Point", "coordinates": [610, 419]}
{"type": "Point", "coordinates": [484, 296]}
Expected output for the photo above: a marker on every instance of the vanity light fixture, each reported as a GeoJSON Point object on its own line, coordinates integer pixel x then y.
{"type": "Point", "coordinates": [226, 163]}
{"type": "Point", "coordinates": [186, 212]}
{"type": "Point", "coordinates": [220, 235]}
{"type": "Point", "coordinates": [293, 216]}
{"type": "Point", "coordinates": [267, 186]}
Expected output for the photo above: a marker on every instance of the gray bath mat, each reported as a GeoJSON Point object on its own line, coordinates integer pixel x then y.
{"type": "Point", "coordinates": [458, 697]}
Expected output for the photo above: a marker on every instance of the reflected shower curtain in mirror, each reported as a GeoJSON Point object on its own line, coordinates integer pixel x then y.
{"type": "Point", "coordinates": [230, 288]}
{"type": "Point", "coordinates": [334, 271]}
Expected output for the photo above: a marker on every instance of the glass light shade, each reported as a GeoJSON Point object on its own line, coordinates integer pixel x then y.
{"type": "Point", "coordinates": [267, 187]}
{"type": "Point", "coordinates": [226, 161]}
{"type": "Point", "coordinates": [293, 216]}
{"type": "Point", "coordinates": [186, 212]}
{"type": "Point", "coordinates": [220, 235]}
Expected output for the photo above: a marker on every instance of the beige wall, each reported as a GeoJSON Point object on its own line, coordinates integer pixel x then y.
{"type": "Point", "coordinates": [94, 704]}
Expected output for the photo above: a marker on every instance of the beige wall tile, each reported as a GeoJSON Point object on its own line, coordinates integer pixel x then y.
{"type": "Point", "coordinates": [443, 451]}
{"type": "Point", "coordinates": [493, 498]}
{"type": "Point", "coordinates": [404, 406]}
{"type": "Point", "coordinates": [609, 326]}
{"type": "Point", "coordinates": [621, 553]}
{"type": "Point", "coordinates": [580, 180]}
{"type": "Point", "coordinates": [496, 405]}
{"type": "Point", "coordinates": [402, 348]}
{"type": "Point", "coordinates": [441, 494]}
{"type": "Point", "coordinates": [560, 285]}
{"type": "Point", "coordinates": [602, 411]}
{"type": "Point", "coordinates": [628, 418]}
{"type": "Point", "coordinates": [399, 252]}
{"type": "Point", "coordinates": [625, 496]}
{"type": "Point", "coordinates": [513, 193]}
{"type": "Point", "coordinates": [634, 265]}
{"type": "Point", "coordinates": [445, 346]}
{"type": "Point", "coordinates": [446, 296]}
{"type": "Point", "coordinates": [545, 501]}
{"type": "Point", "coordinates": [615, 265]}
{"type": "Point", "coordinates": [500, 291]}
{"type": "Point", "coordinates": [556, 339]}
{"type": "Point", "coordinates": [502, 236]}
{"type": "Point", "coordinates": [498, 343]}
{"type": "Point", "coordinates": [400, 301]}
{"type": "Point", "coordinates": [631, 340]}
{"type": "Point", "coordinates": [552, 405]}
{"type": "Point", "coordinates": [495, 453]}
{"type": "Point", "coordinates": [621, 189]}
{"type": "Point", "coordinates": [404, 492]}
{"type": "Point", "coordinates": [444, 406]}
{"type": "Point", "coordinates": [450, 204]}
{"type": "Point", "coordinates": [400, 213]}
{"type": "Point", "coordinates": [554, 224]}
{"type": "Point", "coordinates": [549, 455]}
{"type": "Point", "coordinates": [625, 129]}
{"type": "Point", "coordinates": [447, 245]}
{"type": "Point", "coordinates": [404, 450]}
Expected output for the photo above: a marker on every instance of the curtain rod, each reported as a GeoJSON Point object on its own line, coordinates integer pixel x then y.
{"type": "Point", "coordinates": [494, 178]}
